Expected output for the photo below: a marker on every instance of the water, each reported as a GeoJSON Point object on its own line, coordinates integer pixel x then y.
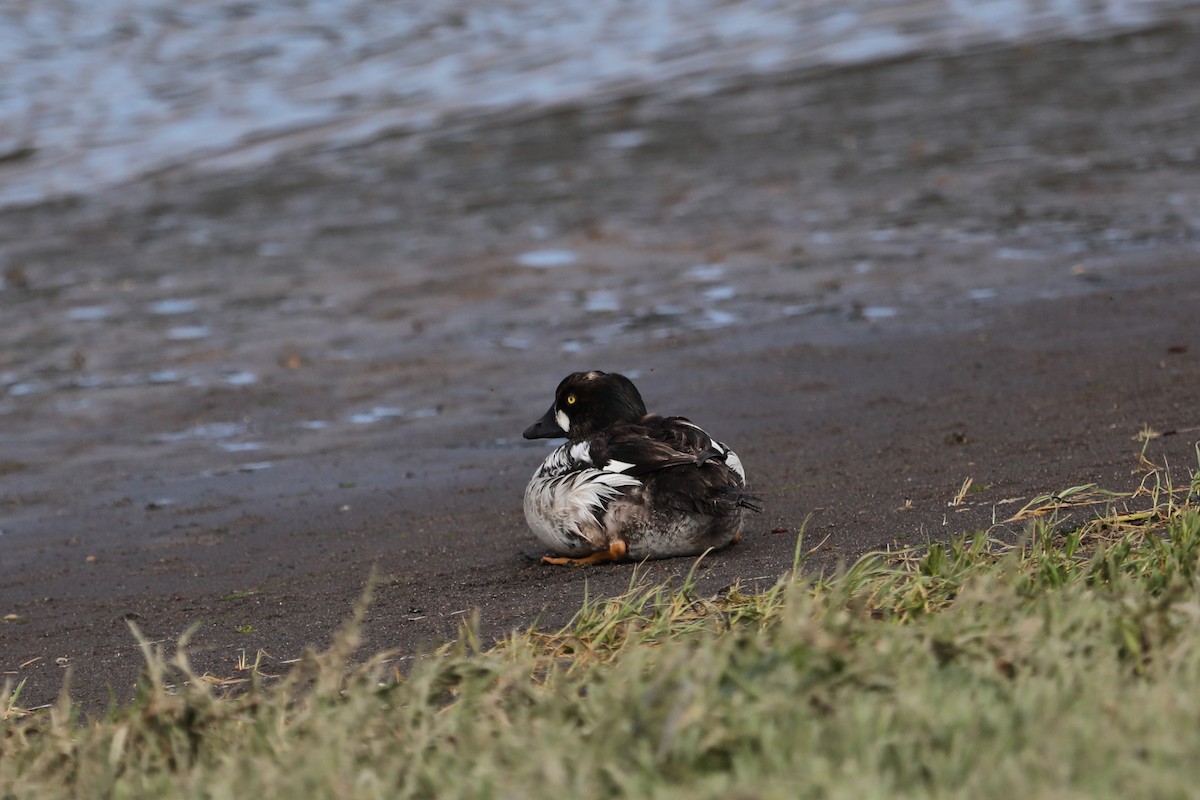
{"type": "Point", "coordinates": [97, 92]}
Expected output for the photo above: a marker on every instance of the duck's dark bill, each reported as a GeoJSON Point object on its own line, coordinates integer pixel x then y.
{"type": "Point", "coordinates": [545, 428]}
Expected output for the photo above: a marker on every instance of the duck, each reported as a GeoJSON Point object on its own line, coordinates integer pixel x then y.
{"type": "Point", "coordinates": [628, 485]}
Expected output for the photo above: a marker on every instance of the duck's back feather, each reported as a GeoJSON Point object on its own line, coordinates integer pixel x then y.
{"type": "Point", "coordinates": [681, 466]}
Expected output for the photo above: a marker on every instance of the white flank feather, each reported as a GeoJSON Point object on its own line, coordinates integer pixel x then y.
{"type": "Point", "coordinates": [563, 501]}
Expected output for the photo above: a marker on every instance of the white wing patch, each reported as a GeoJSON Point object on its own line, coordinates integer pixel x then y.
{"type": "Point", "coordinates": [735, 463]}
{"type": "Point", "coordinates": [617, 466]}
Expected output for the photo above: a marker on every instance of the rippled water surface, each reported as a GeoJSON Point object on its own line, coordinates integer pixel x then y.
{"type": "Point", "coordinates": [95, 92]}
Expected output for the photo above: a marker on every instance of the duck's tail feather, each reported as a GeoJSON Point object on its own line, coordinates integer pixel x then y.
{"type": "Point", "coordinates": [728, 499]}
{"type": "Point", "coordinates": [752, 502]}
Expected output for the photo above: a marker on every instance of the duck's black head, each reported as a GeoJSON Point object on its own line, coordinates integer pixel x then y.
{"type": "Point", "coordinates": [586, 402]}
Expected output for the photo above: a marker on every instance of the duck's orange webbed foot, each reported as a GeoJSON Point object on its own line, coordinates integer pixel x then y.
{"type": "Point", "coordinates": [615, 552]}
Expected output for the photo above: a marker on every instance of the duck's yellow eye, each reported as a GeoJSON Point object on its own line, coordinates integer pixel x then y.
{"type": "Point", "coordinates": [571, 399]}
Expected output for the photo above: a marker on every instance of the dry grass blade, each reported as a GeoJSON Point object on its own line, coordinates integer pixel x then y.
{"type": "Point", "coordinates": [962, 493]}
{"type": "Point", "coordinates": [1087, 494]}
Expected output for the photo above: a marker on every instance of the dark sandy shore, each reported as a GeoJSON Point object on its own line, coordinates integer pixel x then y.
{"type": "Point", "coordinates": [225, 397]}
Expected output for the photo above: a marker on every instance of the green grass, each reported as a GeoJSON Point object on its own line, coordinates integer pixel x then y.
{"type": "Point", "coordinates": [1065, 666]}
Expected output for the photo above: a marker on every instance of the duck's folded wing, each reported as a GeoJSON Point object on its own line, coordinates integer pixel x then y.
{"type": "Point", "coordinates": [687, 435]}
{"type": "Point", "coordinates": [661, 443]}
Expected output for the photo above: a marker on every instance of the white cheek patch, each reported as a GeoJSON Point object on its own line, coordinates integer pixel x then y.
{"type": "Point", "coordinates": [563, 421]}
{"type": "Point", "coordinates": [617, 466]}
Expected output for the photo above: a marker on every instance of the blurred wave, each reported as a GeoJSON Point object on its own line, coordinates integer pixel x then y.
{"type": "Point", "coordinates": [97, 92]}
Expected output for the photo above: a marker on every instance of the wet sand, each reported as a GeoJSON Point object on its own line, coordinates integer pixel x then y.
{"type": "Point", "coordinates": [226, 397]}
